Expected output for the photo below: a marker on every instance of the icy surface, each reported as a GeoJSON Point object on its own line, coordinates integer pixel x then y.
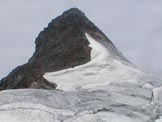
{"type": "Point", "coordinates": [106, 89]}
{"type": "Point", "coordinates": [102, 70]}
{"type": "Point", "coordinates": [159, 120]}
{"type": "Point", "coordinates": [127, 103]}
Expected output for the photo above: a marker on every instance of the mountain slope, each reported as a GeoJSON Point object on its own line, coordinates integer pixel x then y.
{"type": "Point", "coordinates": [94, 81]}
{"type": "Point", "coordinates": [102, 70]}
{"type": "Point", "coordinates": [61, 45]}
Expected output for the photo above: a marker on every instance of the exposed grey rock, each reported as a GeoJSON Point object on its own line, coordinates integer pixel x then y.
{"type": "Point", "coordinates": [59, 46]}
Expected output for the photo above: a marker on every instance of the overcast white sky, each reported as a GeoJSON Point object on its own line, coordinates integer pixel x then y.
{"type": "Point", "coordinates": [134, 26]}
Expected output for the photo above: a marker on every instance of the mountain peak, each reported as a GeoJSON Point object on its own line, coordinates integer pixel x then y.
{"type": "Point", "coordinates": [61, 45]}
{"type": "Point", "coordinates": [72, 17]}
{"type": "Point", "coordinates": [75, 14]}
{"type": "Point", "coordinates": [73, 11]}
{"type": "Point", "coordinates": [88, 78]}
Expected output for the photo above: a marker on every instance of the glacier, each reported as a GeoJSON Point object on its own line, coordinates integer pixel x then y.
{"type": "Point", "coordinates": [106, 89]}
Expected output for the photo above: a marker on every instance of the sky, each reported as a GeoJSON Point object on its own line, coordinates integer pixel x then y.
{"type": "Point", "coordinates": [134, 26]}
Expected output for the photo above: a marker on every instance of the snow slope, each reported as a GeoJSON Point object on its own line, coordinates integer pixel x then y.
{"type": "Point", "coordinates": [115, 104]}
{"type": "Point", "coordinates": [106, 89]}
{"type": "Point", "coordinates": [159, 120]}
{"type": "Point", "coordinates": [103, 69]}
{"type": "Point", "coordinates": [118, 78]}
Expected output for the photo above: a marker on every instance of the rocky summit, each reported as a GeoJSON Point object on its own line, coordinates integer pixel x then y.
{"type": "Point", "coordinates": [76, 74]}
{"type": "Point", "coordinates": [61, 45]}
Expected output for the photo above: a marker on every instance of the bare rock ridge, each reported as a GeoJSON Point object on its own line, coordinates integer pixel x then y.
{"type": "Point", "coordinates": [61, 45]}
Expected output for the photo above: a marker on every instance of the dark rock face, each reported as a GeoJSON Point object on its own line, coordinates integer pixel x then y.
{"type": "Point", "coordinates": [61, 45]}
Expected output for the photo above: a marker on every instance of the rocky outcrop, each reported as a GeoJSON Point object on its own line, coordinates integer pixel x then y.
{"type": "Point", "coordinates": [61, 45]}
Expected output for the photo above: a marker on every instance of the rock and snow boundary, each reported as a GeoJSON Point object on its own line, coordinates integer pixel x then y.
{"type": "Point", "coordinates": [104, 89]}
{"type": "Point", "coordinates": [99, 55]}
{"type": "Point", "coordinates": [86, 76]}
{"type": "Point", "coordinates": [102, 70]}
